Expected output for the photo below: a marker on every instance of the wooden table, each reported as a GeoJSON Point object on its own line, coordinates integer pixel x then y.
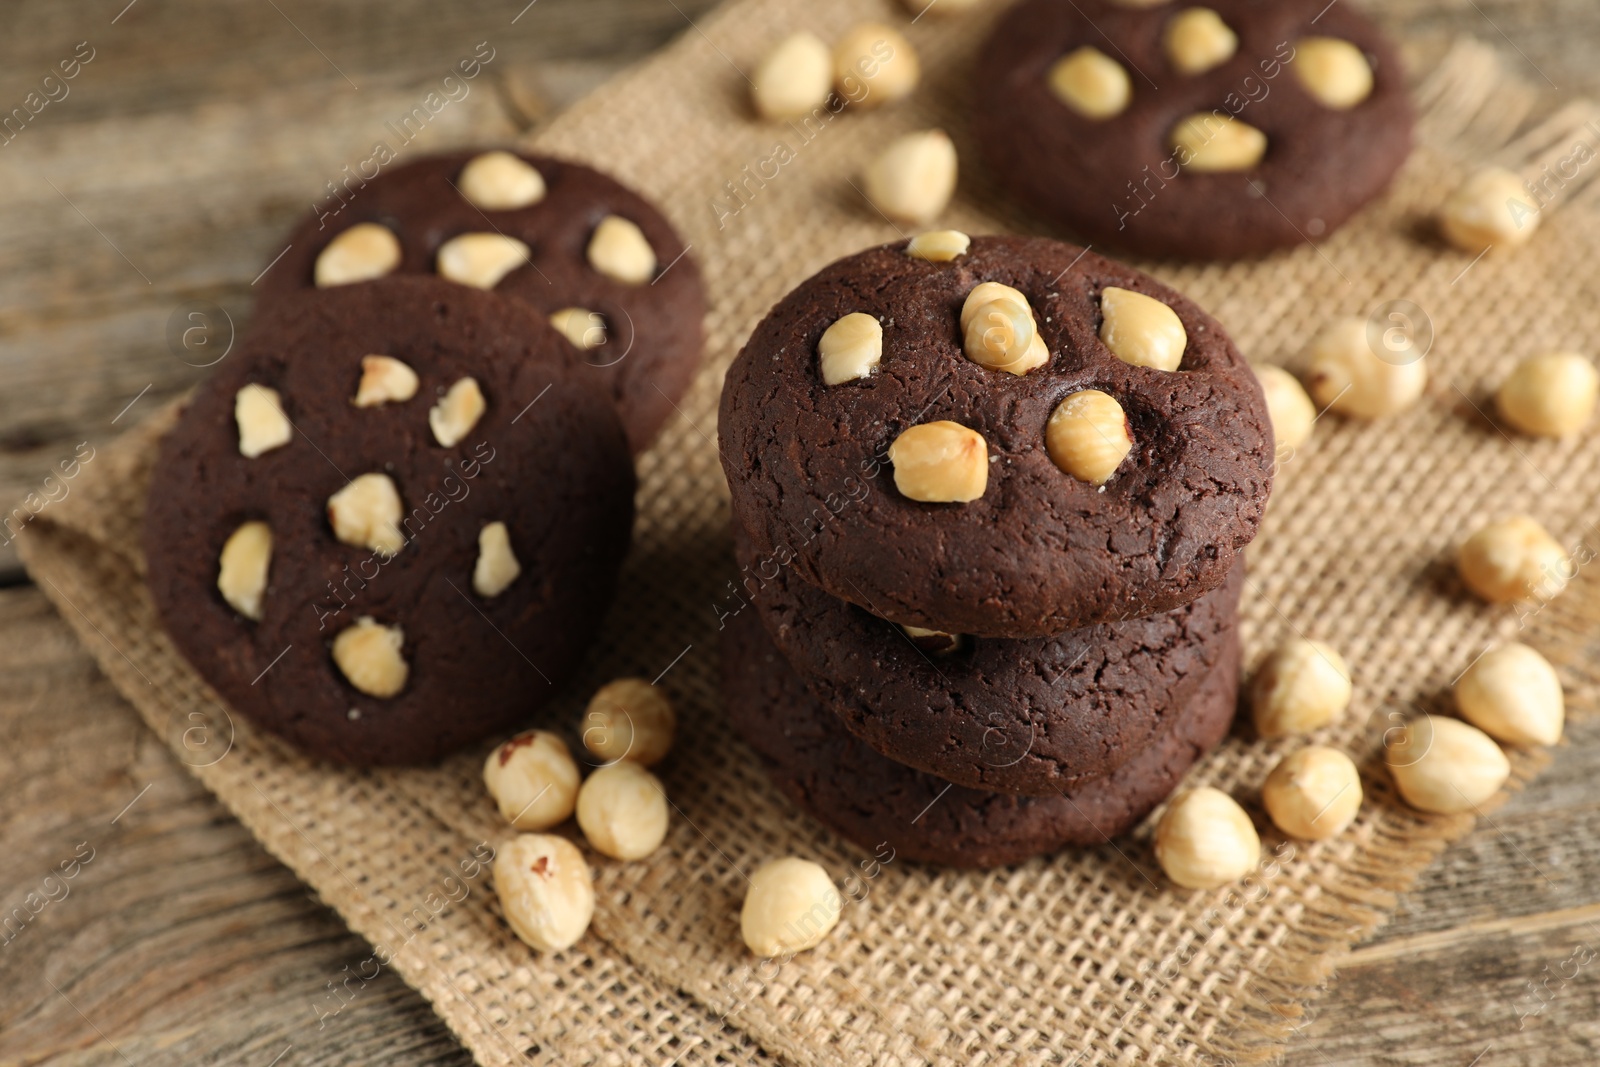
{"type": "Point", "coordinates": [156, 188]}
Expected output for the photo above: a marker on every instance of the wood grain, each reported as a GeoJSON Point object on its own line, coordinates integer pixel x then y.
{"type": "Point", "coordinates": [161, 185]}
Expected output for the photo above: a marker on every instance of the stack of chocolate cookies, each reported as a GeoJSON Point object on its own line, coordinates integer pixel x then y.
{"type": "Point", "coordinates": [990, 498]}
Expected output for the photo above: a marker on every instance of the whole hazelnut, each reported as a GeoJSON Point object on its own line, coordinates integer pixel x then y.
{"type": "Point", "coordinates": [1445, 766]}
{"type": "Point", "coordinates": [1334, 71]}
{"type": "Point", "coordinates": [534, 780]}
{"type": "Point", "coordinates": [1211, 142]}
{"type": "Point", "coordinates": [1491, 209]}
{"type": "Point", "coordinates": [794, 78]}
{"type": "Point", "coordinates": [1302, 686]}
{"type": "Point", "coordinates": [622, 810]}
{"type": "Point", "coordinates": [1313, 794]}
{"type": "Point", "coordinates": [1348, 377]}
{"type": "Point", "coordinates": [545, 890]}
{"type": "Point", "coordinates": [940, 463]}
{"type": "Point", "coordinates": [1290, 408]}
{"type": "Point", "coordinates": [1549, 395]}
{"type": "Point", "coordinates": [913, 178]}
{"type": "Point", "coordinates": [1206, 840]}
{"type": "Point", "coordinates": [1091, 83]}
{"type": "Point", "coordinates": [1141, 330]}
{"type": "Point", "coordinates": [874, 64]}
{"type": "Point", "coordinates": [629, 719]}
{"type": "Point", "coordinates": [1512, 693]}
{"type": "Point", "coordinates": [1513, 559]}
{"type": "Point", "coordinates": [790, 906]}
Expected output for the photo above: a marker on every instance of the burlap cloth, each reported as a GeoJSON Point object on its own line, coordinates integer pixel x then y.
{"type": "Point", "coordinates": [1086, 957]}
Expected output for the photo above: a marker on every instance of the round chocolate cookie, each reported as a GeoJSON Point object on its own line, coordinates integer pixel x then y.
{"type": "Point", "coordinates": [389, 523]}
{"type": "Point", "coordinates": [876, 802]}
{"type": "Point", "coordinates": [1203, 132]}
{"type": "Point", "coordinates": [1056, 485]}
{"type": "Point", "coordinates": [592, 251]}
{"type": "Point", "coordinates": [1034, 716]}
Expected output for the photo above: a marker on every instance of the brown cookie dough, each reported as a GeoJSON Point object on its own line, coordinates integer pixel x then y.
{"type": "Point", "coordinates": [880, 804]}
{"type": "Point", "coordinates": [1032, 716]}
{"type": "Point", "coordinates": [1103, 163]}
{"type": "Point", "coordinates": [349, 580]}
{"type": "Point", "coordinates": [817, 483]}
{"type": "Point", "coordinates": [648, 335]}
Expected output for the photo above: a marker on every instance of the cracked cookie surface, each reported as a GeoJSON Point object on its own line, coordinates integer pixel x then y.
{"type": "Point", "coordinates": [345, 577]}
{"type": "Point", "coordinates": [979, 530]}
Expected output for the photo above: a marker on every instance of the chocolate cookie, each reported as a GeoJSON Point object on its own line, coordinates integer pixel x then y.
{"type": "Point", "coordinates": [876, 802]}
{"type": "Point", "coordinates": [390, 522]}
{"type": "Point", "coordinates": [592, 252]}
{"type": "Point", "coordinates": [1210, 132]}
{"type": "Point", "coordinates": [1107, 459]}
{"type": "Point", "coordinates": [1033, 716]}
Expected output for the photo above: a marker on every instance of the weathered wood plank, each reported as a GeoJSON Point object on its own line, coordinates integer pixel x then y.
{"type": "Point", "coordinates": [178, 937]}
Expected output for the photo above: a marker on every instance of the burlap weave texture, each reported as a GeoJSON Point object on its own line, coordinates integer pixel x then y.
{"type": "Point", "coordinates": [1087, 957]}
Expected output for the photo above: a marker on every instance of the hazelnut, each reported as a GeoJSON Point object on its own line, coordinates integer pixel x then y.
{"type": "Point", "coordinates": [500, 181]}
{"type": "Point", "coordinates": [1088, 436]}
{"type": "Point", "coordinates": [1334, 72]}
{"type": "Point", "coordinates": [242, 568]}
{"type": "Point", "coordinates": [1206, 840]}
{"type": "Point", "coordinates": [1138, 3]}
{"type": "Point", "coordinates": [629, 719]}
{"type": "Point", "coordinates": [481, 260]}
{"type": "Point", "coordinates": [1196, 40]}
{"type": "Point", "coordinates": [584, 329]}
{"type": "Point", "coordinates": [368, 654]}
{"type": "Point", "coordinates": [497, 565]}
{"type": "Point", "coordinates": [998, 330]}
{"type": "Point", "coordinates": [1313, 794]}
{"type": "Point", "coordinates": [1091, 83]}
{"type": "Point", "coordinates": [1491, 209]}
{"type": "Point", "coordinates": [1445, 766]}
{"type": "Point", "coordinates": [622, 810]}
{"type": "Point", "coordinates": [940, 463]}
{"type": "Point", "coordinates": [873, 65]}
{"type": "Point", "coordinates": [366, 513]}
{"type": "Point", "coordinates": [1302, 686]}
{"type": "Point", "coordinates": [457, 412]}
{"type": "Point", "coordinates": [933, 642]}
{"type": "Point", "coordinates": [1347, 376]}
{"type": "Point", "coordinates": [620, 251]}
{"type": "Point", "coordinates": [533, 779]}
{"type": "Point", "coordinates": [384, 380]}
{"type": "Point", "coordinates": [1513, 559]}
{"type": "Point", "coordinates": [914, 177]}
{"type": "Point", "coordinates": [545, 890]}
{"type": "Point", "coordinates": [262, 424]}
{"type": "Point", "coordinates": [1207, 142]}
{"type": "Point", "coordinates": [1550, 395]}
{"type": "Point", "coordinates": [364, 251]}
{"type": "Point", "coordinates": [794, 78]}
{"type": "Point", "coordinates": [1141, 330]}
{"type": "Point", "coordinates": [790, 906]}
{"type": "Point", "coordinates": [1290, 409]}
{"type": "Point", "coordinates": [851, 348]}
{"type": "Point", "coordinates": [1512, 693]}
{"type": "Point", "coordinates": [938, 246]}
